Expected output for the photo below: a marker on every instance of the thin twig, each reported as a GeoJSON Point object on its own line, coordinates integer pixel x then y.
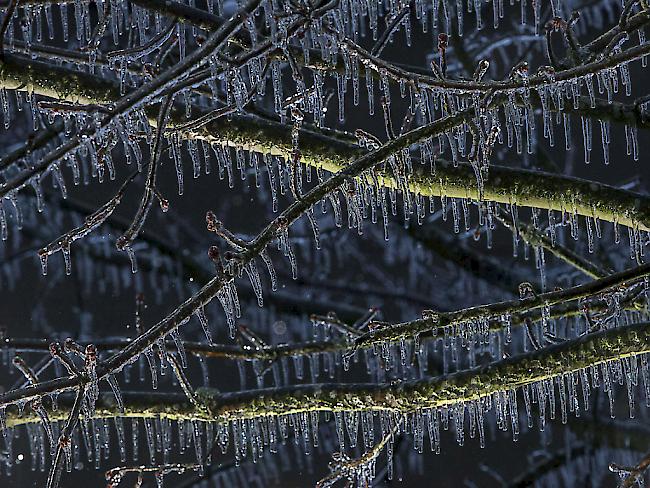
{"type": "Point", "coordinates": [631, 475]}
{"type": "Point", "coordinates": [533, 237]}
{"type": "Point", "coordinates": [64, 447]}
{"type": "Point", "coordinates": [126, 240]}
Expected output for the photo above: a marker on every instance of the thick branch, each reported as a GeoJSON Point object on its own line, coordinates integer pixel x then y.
{"type": "Point", "coordinates": [449, 390]}
{"type": "Point", "coordinates": [525, 188]}
{"type": "Point", "coordinates": [407, 397]}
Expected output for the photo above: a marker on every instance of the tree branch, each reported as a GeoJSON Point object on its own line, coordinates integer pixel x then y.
{"type": "Point", "coordinates": [405, 397]}
{"type": "Point", "coordinates": [440, 320]}
{"type": "Point", "coordinates": [523, 187]}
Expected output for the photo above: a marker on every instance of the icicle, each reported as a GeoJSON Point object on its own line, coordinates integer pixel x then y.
{"type": "Point", "coordinates": [65, 250]}
{"type": "Point", "coordinates": [178, 161]}
{"type": "Point", "coordinates": [203, 320]}
{"type": "Point", "coordinates": [175, 335]}
{"type": "Point", "coordinates": [151, 444]}
{"type": "Point", "coordinates": [590, 89]}
{"type": "Point", "coordinates": [134, 437]}
{"type": "Point", "coordinates": [370, 88]}
{"type": "Point", "coordinates": [37, 406]}
{"type": "Point", "coordinates": [632, 142]}
{"type": "Point", "coordinates": [90, 364]}
{"type": "Point", "coordinates": [6, 113]}
{"type": "Point", "coordinates": [112, 381]}
{"type": "Point", "coordinates": [254, 277]}
{"type": "Point", "coordinates": [4, 228]}
{"type": "Point", "coordinates": [269, 265]}
{"type": "Point", "coordinates": [149, 355]}
{"type": "Point", "coordinates": [121, 437]}
{"type": "Point", "coordinates": [198, 444]}
{"type": "Point", "coordinates": [604, 132]}
{"type": "Point", "coordinates": [586, 137]}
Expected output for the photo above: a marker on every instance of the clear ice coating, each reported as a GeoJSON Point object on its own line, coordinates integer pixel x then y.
{"type": "Point", "coordinates": [265, 90]}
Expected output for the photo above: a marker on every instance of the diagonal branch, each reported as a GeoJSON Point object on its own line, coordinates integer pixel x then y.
{"type": "Point", "coordinates": [535, 238]}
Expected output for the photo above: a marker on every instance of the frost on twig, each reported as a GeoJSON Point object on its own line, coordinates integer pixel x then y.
{"type": "Point", "coordinates": [91, 223]}
{"type": "Point", "coordinates": [361, 471]}
{"type": "Point", "coordinates": [115, 476]}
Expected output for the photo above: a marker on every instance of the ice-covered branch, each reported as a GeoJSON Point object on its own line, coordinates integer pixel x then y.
{"type": "Point", "coordinates": [114, 476]}
{"type": "Point", "coordinates": [590, 351]}
{"type": "Point", "coordinates": [441, 320]}
{"type": "Point", "coordinates": [512, 84]}
{"type": "Point", "coordinates": [362, 469]}
{"type": "Point", "coordinates": [536, 238]}
{"type": "Point", "coordinates": [254, 250]}
{"type": "Point", "coordinates": [91, 222]}
{"type": "Point", "coordinates": [633, 474]}
{"type": "Point", "coordinates": [498, 316]}
{"type": "Point", "coordinates": [136, 404]}
{"type": "Point", "coordinates": [523, 187]}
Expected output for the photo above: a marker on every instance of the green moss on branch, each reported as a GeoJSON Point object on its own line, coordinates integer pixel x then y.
{"type": "Point", "coordinates": [465, 386]}
{"type": "Point", "coordinates": [334, 151]}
